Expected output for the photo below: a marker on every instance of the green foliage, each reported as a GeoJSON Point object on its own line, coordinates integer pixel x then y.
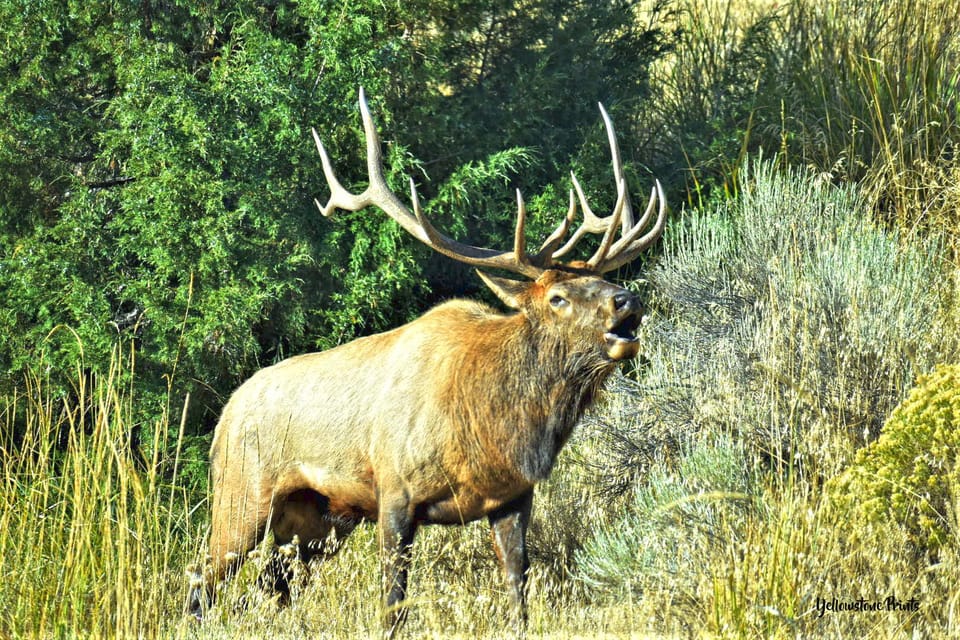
{"type": "Point", "coordinates": [170, 199]}
{"type": "Point", "coordinates": [159, 173]}
{"type": "Point", "coordinates": [910, 475]}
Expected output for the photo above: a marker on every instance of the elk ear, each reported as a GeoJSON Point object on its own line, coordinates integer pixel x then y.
{"type": "Point", "coordinates": [509, 291]}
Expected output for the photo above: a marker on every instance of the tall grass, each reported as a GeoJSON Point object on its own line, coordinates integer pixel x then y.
{"type": "Point", "coordinates": [858, 91]}
{"type": "Point", "coordinates": [885, 77]}
{"type": "Point", "coordinates": [92, 536]}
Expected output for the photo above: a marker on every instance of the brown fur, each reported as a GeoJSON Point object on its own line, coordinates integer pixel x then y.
{"type": "Point", "coordinates": [450, 418]}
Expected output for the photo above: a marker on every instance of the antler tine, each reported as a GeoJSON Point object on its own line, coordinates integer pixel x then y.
{"type": "Point", "coordinates": [340, 198]}
{"type": "Point", "coordinates": [613, 222]}
{"type": "Point", "coordinates": [374, 155]}
{"type": "Point", "coordinates": [627, 221]}
{"type": "Point", "coordinates": [591, 222]}
{"type": "Point", "coordinates": [629, 246]}
{"type": "Point", "coordinates": [627, 239]}
{"type": "Point", "coordinates": [416, 223]}
{"type": "Point", "coordinates": [549, 246]}
{"type": "Point", "coordinates": [520, 238]}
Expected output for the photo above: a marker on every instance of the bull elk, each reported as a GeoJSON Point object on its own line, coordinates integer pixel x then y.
{"type": "Point", "coordinates": [452, 417]}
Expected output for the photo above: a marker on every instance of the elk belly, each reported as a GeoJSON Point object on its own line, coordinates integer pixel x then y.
{"type": "Point", "coordinates": [342, 495]}
{"type": "Point", "coordinates": [457, 509]}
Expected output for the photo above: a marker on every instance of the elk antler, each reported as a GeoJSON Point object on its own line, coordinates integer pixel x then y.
{"type": "Point", "coordinates": [609, 256]}
{"type": "Point", "coordinates": [612, 255]}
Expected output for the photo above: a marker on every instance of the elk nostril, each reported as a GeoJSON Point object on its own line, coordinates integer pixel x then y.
{"type": "Point", "coordinates": [621, 300]}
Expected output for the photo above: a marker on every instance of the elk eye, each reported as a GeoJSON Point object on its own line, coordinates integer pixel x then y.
{"type": "Point", "coordinates": [558, 301]}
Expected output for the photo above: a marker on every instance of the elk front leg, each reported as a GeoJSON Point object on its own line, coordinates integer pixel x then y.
{"type": "Point", "coordinates": [508, 527]}
{"type": "Point", "coordinates": [397, 528]}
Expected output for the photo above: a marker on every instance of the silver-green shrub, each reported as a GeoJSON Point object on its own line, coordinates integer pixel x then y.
{"type": "Point", "coordinates": [673, 521]}
{"type": "Point", "coordinates": [789, 320]}
{"type": "Point", "coordinates": [785, 326]}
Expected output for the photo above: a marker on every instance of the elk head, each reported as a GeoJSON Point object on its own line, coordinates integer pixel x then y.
{"type": "Point", "coordinates": [570, 297]}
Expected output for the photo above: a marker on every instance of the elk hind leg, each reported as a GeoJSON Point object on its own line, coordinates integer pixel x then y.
{"type": "Point", "coordinates": [303, 529]}
{"type": "Point", "coordinates": [396, 528]}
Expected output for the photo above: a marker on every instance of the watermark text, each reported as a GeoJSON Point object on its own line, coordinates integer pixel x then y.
{"type": "Point", "coordinates": [863, 605]}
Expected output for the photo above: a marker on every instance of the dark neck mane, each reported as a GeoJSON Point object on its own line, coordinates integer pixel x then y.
{"type": "Point", "coordinates": [541, 384]}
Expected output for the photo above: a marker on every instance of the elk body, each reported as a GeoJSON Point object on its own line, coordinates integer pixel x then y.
{"type": "Point", "coordinates": [452, 417]}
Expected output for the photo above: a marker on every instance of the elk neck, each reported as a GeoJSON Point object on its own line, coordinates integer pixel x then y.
{"type": "Point", "coordinates": [520, 388]}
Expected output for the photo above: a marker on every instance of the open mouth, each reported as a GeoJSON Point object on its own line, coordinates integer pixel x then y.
{"type": "Point", "coordinates": [624, 331]}
{"type": "Point", "coordinates": [621, 338]}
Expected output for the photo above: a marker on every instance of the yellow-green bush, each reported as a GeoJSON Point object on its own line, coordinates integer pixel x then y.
{"type": "Point", "coordinates": [910, 474]}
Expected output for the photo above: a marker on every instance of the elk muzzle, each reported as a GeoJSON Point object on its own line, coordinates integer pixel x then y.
{"type": "Point", "coordinates": [620, 333]}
